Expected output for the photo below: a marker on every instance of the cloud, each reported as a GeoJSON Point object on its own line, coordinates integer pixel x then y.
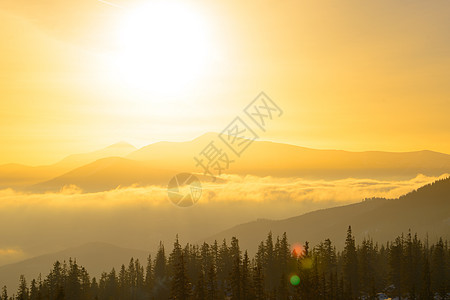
{"type": "Point", "coordinates": [272, 189]}
{"type": "Point", "coordinates": [10, 254]}
{"type": "Point", "coordinates": [139, 217]}
{"type": "Point", "coordinates": [234, 188]}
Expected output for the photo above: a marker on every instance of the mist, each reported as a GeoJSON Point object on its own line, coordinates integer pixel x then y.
{"type": "Point", "coordinates": [140, 217]}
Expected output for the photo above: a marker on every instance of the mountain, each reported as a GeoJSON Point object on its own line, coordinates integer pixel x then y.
{"type": "Point", "coordinates": [264, 158]}
{"type": "Point", "coordinates": [18, 176]}
{"type": "Point", "coordinates": [95, 257]}
{"type": "Point", "coordinates": [425, 211]}
{"type": "Point", "coordinates": [106, 174]}
{"type": "Point", "coordinates": [158, 162]}
{"type": "Point", "coordinates": [120, 149]}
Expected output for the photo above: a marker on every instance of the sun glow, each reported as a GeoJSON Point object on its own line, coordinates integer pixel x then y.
{"type": "Point", "coordinates": [163, 47]}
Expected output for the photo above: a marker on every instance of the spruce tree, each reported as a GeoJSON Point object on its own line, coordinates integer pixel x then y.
{"type": "Point", "coordinates": [269, 264]}
{"type": "Point", "coordinates": [180, 287]}
{"type": "Point", "coordinates": [246, 287]}
{"type": "Point", "coordinates": [439, 270]}
{"type": "Point", "coordinates": [235, 274]}
{"type": "Point", "coordinates": [148, 282]}
{"type": "Point", "coordinates": [212, 288]}
{"type": "Point", "coordinates": [34, 290]}
{"type": "Point", "coordinates": [350, 267]}
{"type": "Point", "coordinates": [200, 289]}
{"type": "Point", "coordinates": [224, 265]}
{"type": "Point", "coordinates": [180, 283]}
{"type": "Point", "coordinates": [258, 279]}
{"type": "Point", "coordinates": [4, 295]}
{"type": "Point", "coordinates": [160, 289]}
{"type": "Point", "coordinates": [396, 265]}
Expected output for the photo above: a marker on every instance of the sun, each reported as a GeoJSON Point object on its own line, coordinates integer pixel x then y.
{"type": "Point", "coordinates": [162, 47]}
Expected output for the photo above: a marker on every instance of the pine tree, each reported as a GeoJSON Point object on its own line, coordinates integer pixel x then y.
{"type": "Point", "coordinates": [366, 264]}
{"type": "Point", "coordinates": [426, 287]}
{"type": "Point", "coordinates": [180, 283]}
{"type": "Point", "coordinates": [224, 264]}
{"type": "Point", "coordinates": [55, 282]}
{"type": "Point", "coordinates": [382, 267]}
{"type": "Point", "coordinates": [4, 295]}
{"type": "Point", "coordinates": [269, 264]}
{"type": "Point", "coordinates": [73, 284]}
{"type": "Point", "coordinates": [316, 292]}
{"type": "Point", "coordinates": [439, 270]}
{"type": "Point", "coordinates": [200, 290]}
{"type": "Point", "coordinates": [124, 288]}
{"type": "Point", "coordinates": [235, 279]}
{"type": "Point", "coordinates": [351, 265]}
{"type": "Point", "coordinates": [22, 292]}
{"type": "Point", "coordinates": [85, 281]}
{"type": "Point", "coordinates": [212, 288]}
{"type": "Point", "coordinates": [160, 289]}
{"type": "Point", "coordinates": [148, 282]}
{"type": "Point", "coordinates": [131, 279]}
{"type": "Point", "coordinates": [180, 288]}
{"type": "Point", "coordinates": [284, 266]}
{"type": "Point", "coordinates": [305, 264]}
{"type": "Point", "coordinates": [396, 259]}
{"type": "Point", "coordinates": [247, 290]}
{"type": "Point", "coordinates": [34, 291]}
{"type": "Point", "coordinates": [139, 279]}
{"type": "Point", "coordinates": [94, 289]}
{"type": "Point", "coordinates": [111, 285]}
{"type": "Point", "coordinates": [258, 278]}
{"type": "Point", "coordinates": [414, 266]}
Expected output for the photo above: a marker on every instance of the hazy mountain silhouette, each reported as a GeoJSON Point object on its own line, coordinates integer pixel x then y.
{"type": "Point", "coordinates": [76, 160]}
{"type": "Point", "coordinates": [276, 159]}
{"type": "Point", "coordinates": [107, 174]}
{"type": "Point", "coordinates": [96, 257]}
{"type": "Point", "coordinates": [18, 176]}
{"type": "Point", "coordinates": [158, 162]}
{"type": "Point", "coordinates": [425, 211]}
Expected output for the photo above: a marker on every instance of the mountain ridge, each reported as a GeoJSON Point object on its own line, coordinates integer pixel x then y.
{"type": "Point", "coordinates": [14, 175]}
{"type": "Point", "coordinates": [262, 158]}
{"type": "Point", "coordinates": [425, 211]}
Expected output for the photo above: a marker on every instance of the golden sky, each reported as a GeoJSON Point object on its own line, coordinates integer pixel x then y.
{"type": "Point", "coordinates": [355, 75]}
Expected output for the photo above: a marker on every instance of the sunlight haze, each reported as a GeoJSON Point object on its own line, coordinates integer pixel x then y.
{"type": "Point", "coordinates": [353, 76]}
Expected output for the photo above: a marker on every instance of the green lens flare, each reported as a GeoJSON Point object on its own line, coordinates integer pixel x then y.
{"type": "Point", "coordinates": [295, 280]}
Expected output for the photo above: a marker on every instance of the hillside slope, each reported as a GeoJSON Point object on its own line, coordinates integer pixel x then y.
{"type": "Point", "coordinates": [96, 257]}
{"type": "Point", "coordinates": [18, 176]}
{"type": "Point", "coordinates": [425, 211]}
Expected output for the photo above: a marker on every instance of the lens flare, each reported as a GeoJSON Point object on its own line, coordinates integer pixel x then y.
{"type": "Point", "coordinates": [297, 250]}
{"type": "Point", "coordinates": [306, 263]}
{"type": "Point", "coordinates": [295, 280]}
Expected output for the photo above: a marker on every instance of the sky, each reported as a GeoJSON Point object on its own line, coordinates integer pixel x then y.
{"type": "Point", "coordinates": [76, 76]}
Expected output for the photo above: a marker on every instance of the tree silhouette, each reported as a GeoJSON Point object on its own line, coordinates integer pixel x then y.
{"type": "Point", "coordinates": [406, 267]}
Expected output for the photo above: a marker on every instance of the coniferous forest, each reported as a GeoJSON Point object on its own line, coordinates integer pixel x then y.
{"type": "Point", "coordinates": [406, 268]}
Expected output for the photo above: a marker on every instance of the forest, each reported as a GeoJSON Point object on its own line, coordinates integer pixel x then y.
{"type": "Point", "coordinates": [407, 267]}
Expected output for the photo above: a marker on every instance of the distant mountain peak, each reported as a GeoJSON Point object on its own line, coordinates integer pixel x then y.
{"type": "Point", "coordinates": [121, 144]}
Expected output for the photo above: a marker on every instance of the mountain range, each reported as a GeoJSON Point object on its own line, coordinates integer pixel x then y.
{"type": "Point", "coordinates": [19, 176]}
{"type": "Point", "coordinates": [425, 211]}
{"type": "Point", "coordinates": [122, 165]}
